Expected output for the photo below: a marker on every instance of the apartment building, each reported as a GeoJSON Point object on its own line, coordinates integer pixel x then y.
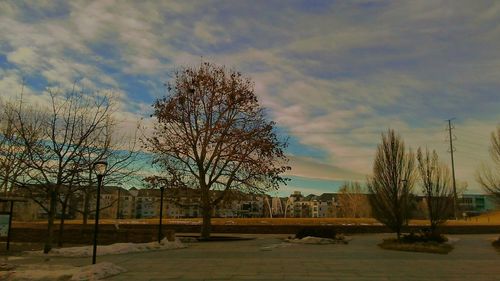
{"type": "Point", "coordinates": [117, 202]}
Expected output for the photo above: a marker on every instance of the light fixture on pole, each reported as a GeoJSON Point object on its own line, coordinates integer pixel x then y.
{"type": "Point", "coordinates": [100, 170]}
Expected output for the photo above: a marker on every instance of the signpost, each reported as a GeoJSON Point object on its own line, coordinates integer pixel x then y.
{"type": "Point", "coordinates": [6, 223]}
{"type": "Point", "coordinates": [6, 218]}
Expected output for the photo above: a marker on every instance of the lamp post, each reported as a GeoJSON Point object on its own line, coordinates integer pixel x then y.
{"type": "Point", "coordinates": [160, 233]}
{"type": "Point", "coordinates": [100, 170]}
{"type": "Point", "coordinates": [118, 213]}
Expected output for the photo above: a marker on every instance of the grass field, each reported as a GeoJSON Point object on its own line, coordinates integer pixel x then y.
{"type": "Point", "coordinates": [492, 218]}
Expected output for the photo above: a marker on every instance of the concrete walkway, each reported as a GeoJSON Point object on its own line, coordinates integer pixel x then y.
{"type": "Point", "coordinates": [268, 258]}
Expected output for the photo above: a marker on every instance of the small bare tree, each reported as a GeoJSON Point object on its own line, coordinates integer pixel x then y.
{"type": "Point", "coordinates": [54, 138]}
{"type": "Point", "coordinates": [436, 188]}
{"type": "Point", "coordinates": [353, 201]}
{"type": "Point", "coordinates": [12, 153]}
{"type": "Point", "coordinates": [124, 161]}
{"type": "Point", "coordinates": [213, 129]}
{"type": "Point", "coordinates": [489, 177]}
{"type": "Point", "coordinates": [392, 182]}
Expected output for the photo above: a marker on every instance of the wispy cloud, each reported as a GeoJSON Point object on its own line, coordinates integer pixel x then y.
{"type": "Point", "coordinates": [332, 74]}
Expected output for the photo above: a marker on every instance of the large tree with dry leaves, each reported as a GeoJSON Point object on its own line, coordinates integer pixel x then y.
{"type": "Point", "coordinates": [212, 129]}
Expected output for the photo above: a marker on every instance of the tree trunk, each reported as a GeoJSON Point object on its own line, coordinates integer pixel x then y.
{"type": "Point", "coordinates": [86, 209]}
{"type": "Point", "coordinates": [50, 223]}
{"type": "Point", "coordinates": [5, 183]}
{"type": "Point", "coordinates": [61, 224]}
{"type": "Point", "coordinates": [206, 227]}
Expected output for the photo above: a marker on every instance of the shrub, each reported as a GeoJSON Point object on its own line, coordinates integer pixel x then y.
{"type": "Point", "coordinates": [496, 243]}
{"type": "Point", "coordinates": [428, 247]}
{"type": "Point", "coordinates": [424, 235]}
{"type": "Point", "coordinates": [316, 232]}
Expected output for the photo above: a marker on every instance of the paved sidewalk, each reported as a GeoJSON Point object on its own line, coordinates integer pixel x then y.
{"type": "Point", "coordinates": [268, 258]}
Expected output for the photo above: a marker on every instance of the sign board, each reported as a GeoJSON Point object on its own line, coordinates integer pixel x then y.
{"type": "Point", "coordinates": [4, 224]}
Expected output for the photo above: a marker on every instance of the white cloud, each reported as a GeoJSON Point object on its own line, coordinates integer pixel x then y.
{"type": "Point", "coordinates": [335, 79]}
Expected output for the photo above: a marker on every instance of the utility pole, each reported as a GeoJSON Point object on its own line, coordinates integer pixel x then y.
{"type": "Point", "coordinates": [455, 198]}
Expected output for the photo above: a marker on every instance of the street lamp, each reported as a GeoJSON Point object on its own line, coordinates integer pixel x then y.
{"type": "Point", "coordinates": [100, 170]}
{"type": "Point", "coordinates": [162, 183]}
{"type": "Point", "coordinates": [160, 233]}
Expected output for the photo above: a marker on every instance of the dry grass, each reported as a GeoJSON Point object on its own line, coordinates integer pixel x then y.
{"type": "Point", "coordinates": [423, 247]}
{"type": "Point", "coordinates": [234, 221]}
{"type": "Point", "coordinates": [486, 219]}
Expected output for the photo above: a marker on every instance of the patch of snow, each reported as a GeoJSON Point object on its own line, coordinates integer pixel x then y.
{"type": "Point", "coordinates": [97, 272]}
{"type": "Point", "coordinates": [274, 246]}
{"type": "Point", "coordinates": [118, 248]}
{"type": "Point", "coordinates": [316, 240]}
{"type": "Point", "coordinates": [62, 272]}
{"type": "Point", "coordinates": [452, 241]}
{"type": "Point", "coordinates": [39, 272]}
{"type": "Point", "coordinates": [13, 258]}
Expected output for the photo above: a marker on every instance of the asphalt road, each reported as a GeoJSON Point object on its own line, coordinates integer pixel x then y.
{"type": "Point", "coordinates": [269, 258]}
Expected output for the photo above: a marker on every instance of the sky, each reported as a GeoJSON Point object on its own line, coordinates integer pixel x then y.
{"type": "Point", "coordinates": [332, 74]}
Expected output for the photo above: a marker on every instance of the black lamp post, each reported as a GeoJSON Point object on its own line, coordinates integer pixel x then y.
{"type": "Point", "coordinates": [100, 171]}
{"type": "Point", "coordinates": [160, 233]}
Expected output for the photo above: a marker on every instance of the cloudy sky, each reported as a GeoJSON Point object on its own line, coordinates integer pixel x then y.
{"type": "Point", "coordinates": [332, 74]}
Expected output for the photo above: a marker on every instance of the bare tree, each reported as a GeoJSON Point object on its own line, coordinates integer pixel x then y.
{"type": "Point", "coordinates": [12, 153]}
{"type": "Point", "coordinates": [61, 131]}
{"type": "Point", "coordinates": [124, 161]}
{"type": "Point", "coordinates": [489, 177]}
{"type": "Point", "coordinates": [436, 188]}
{"type": "Point", "coordinates": [392, 182]}
{"type": "Point", "coordinates": [353, 201]}
{"type": "Point", "coordinates": [212, 128]}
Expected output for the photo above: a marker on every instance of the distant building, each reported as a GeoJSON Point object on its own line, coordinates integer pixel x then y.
{"type": "Point", "coordinates": [473, 204]}
{"type": "Point", "coordinates": [117, 202]}
{"type": "Point", "coordinates": [311, 206]}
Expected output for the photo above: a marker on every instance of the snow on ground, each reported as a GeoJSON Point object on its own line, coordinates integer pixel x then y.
{"type": "Point", "coordinates": [275, 246]}
{"type": "Point", "coordinates": [317, 240]}
{"type": "Point", "coordinates": [118, 248]}
{"type": "Point", "coordinates": [97, 272]}
{"type": "Point", "coordinates": [61, 272]}
{"type": "Point", "coordinates": [39, 272]}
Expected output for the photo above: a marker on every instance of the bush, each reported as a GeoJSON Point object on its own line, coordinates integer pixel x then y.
{"type": "Point", "coordinates": [496, 243]}
{"type": "Point", "coordinates": [424, 235]}
{"type": "Point", "coordinates": [427, 247]}
{"type": "Point", "coordinates": [316, 232]}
